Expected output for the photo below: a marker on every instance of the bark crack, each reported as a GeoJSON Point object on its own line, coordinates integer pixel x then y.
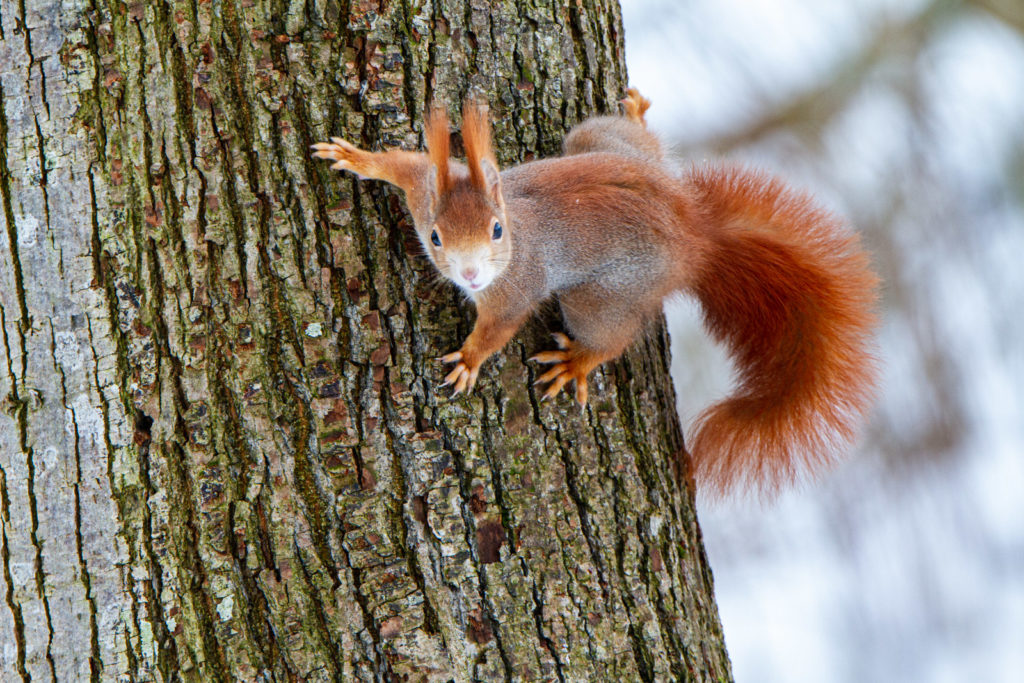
{"type": "Point", "coordinates": [469, 525]}
{"type": "Point", "coordinates": [19, 402]}
{"type": "Point", "coordinates": [181, 486]}
{"type": "Point", "coordinates": [679, 660]}
{"type": "Point", "coordinates": [13, 404]}
{"type": "Point", "coordinates": [95, 658]}
{"type": "Point", "coordinates": [538, 620]}
{"type": "Point", "coordinates": [321, 626]}
{"type": "Point", "coordinates": [381, 667]}
{"type": "Point", "coordinates": [43, 180]}
{"type": "Point", "coordinates": [167, 655]}
{"type": "Point", "coordinates": [21, 21]}
{"type": "Point", "coordinates": [25, 323]}
{"type": "Point", "coordinates": [573, 488]}
{"type": "Point", "coordinates": [400, 456]}
{"type": "Point", "coordinates": [106, 284]}
{"type": "Point", "coordinates": [642, 656]}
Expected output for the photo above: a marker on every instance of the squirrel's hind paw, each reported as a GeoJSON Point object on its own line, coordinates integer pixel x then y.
{"type": "Point", "coordinates": [571, 362]}
{"type": "Point", "coordinates": [636, 105]}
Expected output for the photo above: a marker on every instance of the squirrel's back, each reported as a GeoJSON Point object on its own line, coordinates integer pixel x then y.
{"type": "Point", "coordinates": [626, 135]}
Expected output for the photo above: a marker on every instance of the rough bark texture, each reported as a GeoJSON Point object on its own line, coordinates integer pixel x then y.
{"type": "Point", "coordinates": [224, 455]}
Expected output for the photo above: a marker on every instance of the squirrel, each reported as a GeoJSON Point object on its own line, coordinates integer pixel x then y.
{"type": "Point", "coordinates": [611, 230]}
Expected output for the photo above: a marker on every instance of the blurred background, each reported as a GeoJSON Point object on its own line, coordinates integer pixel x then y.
{"type": "Point", "coordinates": [906, 117]}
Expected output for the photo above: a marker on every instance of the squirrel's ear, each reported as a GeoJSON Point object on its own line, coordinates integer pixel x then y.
{"type": "Point", "coordinates": [438, 141]}
{"type": "Point", "coordinates": [492, 181]}
{"type": "Point", "coordinates": [476, 136]}
{"type": "Point", "coordinates": [431, 192]}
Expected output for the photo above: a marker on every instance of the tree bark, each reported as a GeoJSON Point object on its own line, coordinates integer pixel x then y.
{"type": "Point", "coordinates": [224, 453]}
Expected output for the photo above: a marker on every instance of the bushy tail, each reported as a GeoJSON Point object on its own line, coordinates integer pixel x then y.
{"type": "Point", "coordinates": [791, 294]}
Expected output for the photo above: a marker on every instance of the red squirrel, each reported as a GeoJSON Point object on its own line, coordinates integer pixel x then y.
{"type": "Point", "coordinates": [611, 231]}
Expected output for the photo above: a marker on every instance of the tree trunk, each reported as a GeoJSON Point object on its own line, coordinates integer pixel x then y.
{"type": "Point", "coordinates": [224, 453]}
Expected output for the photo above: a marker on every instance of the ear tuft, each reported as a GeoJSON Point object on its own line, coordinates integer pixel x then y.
{"type": "Point", "coordinates": [438, 141]}
{"type": "Point", "coordinates": [476, 136]}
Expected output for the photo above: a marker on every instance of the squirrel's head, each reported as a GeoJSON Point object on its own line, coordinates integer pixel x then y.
{"type": "Point", "coordinates": [469, 239]}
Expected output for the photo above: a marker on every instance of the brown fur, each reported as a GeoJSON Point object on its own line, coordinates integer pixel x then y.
{"type": "Point", "coordinates": [611, 231]}
{"type": "Point", "coordinates": [438, 140]}
{"type": "Point", "coordinates": [791, 294]}
{"type": "Point", "coordinates": [476, 137]}
{"type": "Point", "coordinates": [635, 106]}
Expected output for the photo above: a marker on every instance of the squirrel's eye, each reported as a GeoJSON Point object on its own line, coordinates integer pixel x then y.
{"type": "Point", "coordinates": [497, 231]}
{"type": "Point", "coordinates": [435, 238]}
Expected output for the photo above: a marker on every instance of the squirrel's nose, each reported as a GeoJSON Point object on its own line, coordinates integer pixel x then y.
{"type": "Point", "coordinates": [470, 273]}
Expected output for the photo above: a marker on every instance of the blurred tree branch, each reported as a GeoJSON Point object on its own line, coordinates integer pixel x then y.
{"type": "Point", "coordinates": [810, 112]}
{"type": "Point", "coordinates": [1010, 12]}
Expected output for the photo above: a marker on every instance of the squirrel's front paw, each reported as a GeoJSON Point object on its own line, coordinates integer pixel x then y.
{"type": "Point", "coordinates": [572, 362]}
{"type": "Point", "coordinates": [463, 376]}
{"type": "Point", "coordinates": [346, 156]}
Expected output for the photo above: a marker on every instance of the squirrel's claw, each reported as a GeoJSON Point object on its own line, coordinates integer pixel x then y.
{"type": "Point", "coordinates": [341, 152]}
{"type": "Point", "coordinates": [456, 378]}
{"type": "Point", "coordinates": [557, 383]}
{"type": "Point", "coordinates": [325, 150]}
{"type": "Point", "coordinates": [569, 363]}
{"type": "Point", "coordinates": [559, 376]}
{"type": "Point", "coordinates": [548, 357]}
{"type": "Point", "coordinates": [581, 391]}
{"type": "Point", "coordinates": [462, 377]}
{"type": "Point", "coordinates": [551, 374]}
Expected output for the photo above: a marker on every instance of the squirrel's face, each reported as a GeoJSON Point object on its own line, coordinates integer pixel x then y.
{"type": "Point", "coordinates": [470, 240]}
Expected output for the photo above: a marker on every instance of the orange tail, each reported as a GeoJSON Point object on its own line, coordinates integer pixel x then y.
{"type": "Point", "coordinates": [791, 294]}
